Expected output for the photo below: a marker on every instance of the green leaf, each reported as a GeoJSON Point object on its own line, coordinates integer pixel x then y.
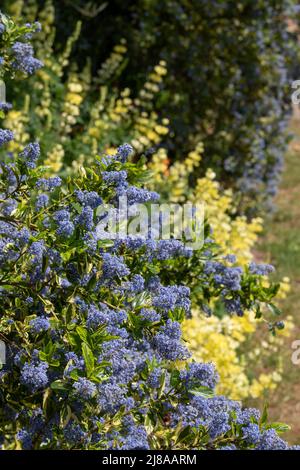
{"type": "Point", "coordinates": [43, 356]}
{"type": "Point", "coordinates": [54, 363]}
{"type": "Point", "coordinates": [92, 282]}
{"type": "Point", "coordinates": [46, 398]}
{"type": "Point", "coordinates": [162, 384]}
{"type": "Point", "coordinates": [45, 263]}
{"type": "Point", "coordinates": [148, 424]}
{"type": "Point", "coordinates": [141, 300]}
{"type": "Point", "coordinates": [153, 269]}
{"type": "Point", "coordinates": [258, 313]}
{"type": "Point", "coordinates": [175, 378]}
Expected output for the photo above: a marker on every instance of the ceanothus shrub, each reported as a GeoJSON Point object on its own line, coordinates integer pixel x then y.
{"type": "Point", "coordinates": [95, 357]}
{"type": "Point", "coordinates": [16, 53]}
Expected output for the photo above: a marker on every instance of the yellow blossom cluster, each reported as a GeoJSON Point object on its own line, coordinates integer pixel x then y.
{"type": "Point", "coordinates": [114, 110]}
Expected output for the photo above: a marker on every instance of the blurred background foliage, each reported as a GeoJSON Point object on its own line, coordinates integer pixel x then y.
{"type": "Point", "coordinates": [202, 89]}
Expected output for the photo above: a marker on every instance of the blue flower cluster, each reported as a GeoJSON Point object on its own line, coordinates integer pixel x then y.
{"type": "Point", "coordinates": [42, 201]}
{"type": "Point", "coordinates": [171, 297]}
{"type": "Point", "coordinates": [114, 176]}
{"type": "Point", "coordinates": [199, 375]}
{"type": "Point", "coordinates": [113, 266]}
{"type": "Point", "coordinates": [65, 226]}
{"type": "Point", "coordinates": [34, 375]}
{"type": "Point", "coordinates": [48, 184]}
{"type": "Point", "coordinates": [31, 154]}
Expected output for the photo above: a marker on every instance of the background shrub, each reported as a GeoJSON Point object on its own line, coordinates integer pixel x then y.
{"type": "Point", "coordinates": [92, 326]}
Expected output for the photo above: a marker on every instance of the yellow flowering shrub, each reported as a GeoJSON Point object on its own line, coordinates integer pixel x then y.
{"type": "Point", "coordinates": [225, 342]}
{"type": "Point", "coordinates": [119, 109]}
